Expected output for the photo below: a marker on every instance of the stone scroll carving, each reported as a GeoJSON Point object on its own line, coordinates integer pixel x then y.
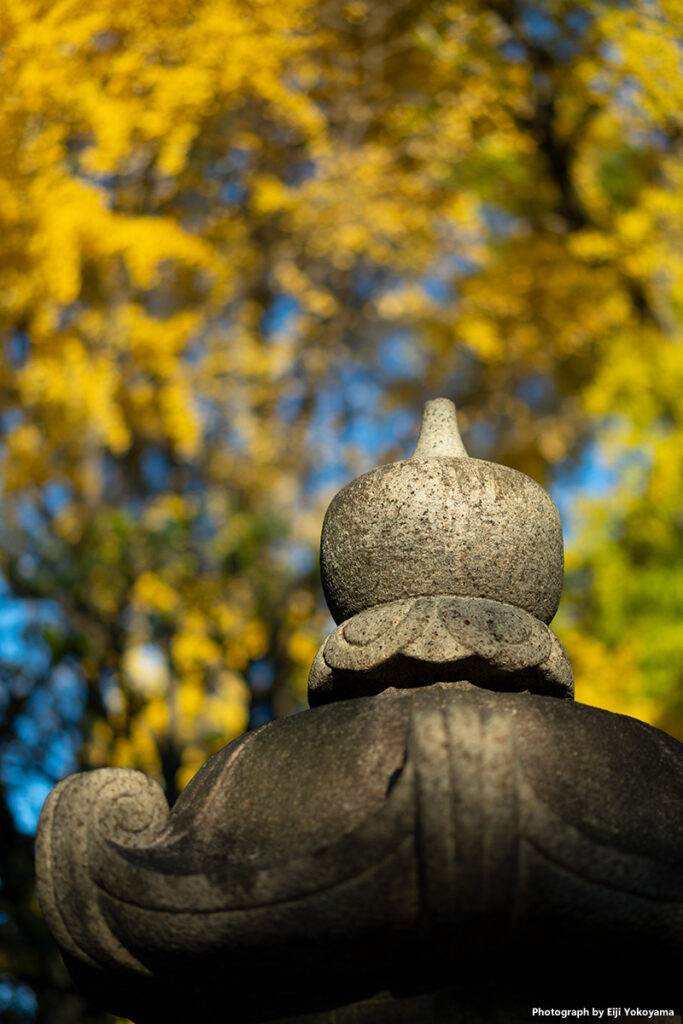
{"type": "Point", "coordinates": [446, 638]}
{"type": "Point", "coordinates": [454, 837]}
{"type": "Point", "coordinates": [444, 811]}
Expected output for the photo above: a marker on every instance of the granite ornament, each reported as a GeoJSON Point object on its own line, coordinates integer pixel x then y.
{"type": "Point", "coordinates": [441, 567]}
{"type": "Point", "coordinates": [442, 523]}
{"type": "Point", "coordinates": [457, 844]}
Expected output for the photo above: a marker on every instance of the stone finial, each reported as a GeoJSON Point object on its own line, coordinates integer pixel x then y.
{"type": "Point", "coordinates": [471, 547]}
{"type": "Point", "coordinates": [439, 434]}
{"type": "Point", "coordinates": [442, 523]}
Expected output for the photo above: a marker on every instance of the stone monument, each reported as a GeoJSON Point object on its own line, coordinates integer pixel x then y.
{"type": "Point", "coordinates": [446, 836]}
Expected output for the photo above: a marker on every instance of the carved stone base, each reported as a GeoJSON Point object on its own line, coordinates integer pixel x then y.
{"type": "Point", "coordinates": [418, 641]}
{"type": "Point", "coordinates": [415, 834]}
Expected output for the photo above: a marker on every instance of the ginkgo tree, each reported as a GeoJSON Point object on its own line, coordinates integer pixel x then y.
{"type": "Point", "coordinates": [240, 242]}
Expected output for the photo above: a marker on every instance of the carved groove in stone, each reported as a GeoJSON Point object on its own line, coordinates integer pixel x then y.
{"type": "Point", "coordinates": [104, 893]}
{"type": "Point", "coordinates": [430, 639]}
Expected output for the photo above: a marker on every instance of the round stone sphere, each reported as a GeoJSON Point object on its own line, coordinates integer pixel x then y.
{"type": "Point", "coordinates": [442, 525]}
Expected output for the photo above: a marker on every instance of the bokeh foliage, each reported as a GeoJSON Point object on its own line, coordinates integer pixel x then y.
{"type": "Point", "coordinates": [240, 242]}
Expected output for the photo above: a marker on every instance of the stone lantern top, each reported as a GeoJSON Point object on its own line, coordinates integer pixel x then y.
{"type": "Point", "coordinates": [461, 843]}
{"type": "Point", "coordinates": [470, 547]}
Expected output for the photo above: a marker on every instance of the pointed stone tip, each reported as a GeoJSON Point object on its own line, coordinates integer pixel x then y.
{"type": "Point", "coordinates": [439, 434]}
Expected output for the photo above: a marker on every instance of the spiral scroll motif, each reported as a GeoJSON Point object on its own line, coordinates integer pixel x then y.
{"type": "Point", "coordinates": [112, 806]}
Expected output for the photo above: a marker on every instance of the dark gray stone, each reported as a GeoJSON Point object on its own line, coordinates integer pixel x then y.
{"type": "Point", "coordinates": [417, 830]}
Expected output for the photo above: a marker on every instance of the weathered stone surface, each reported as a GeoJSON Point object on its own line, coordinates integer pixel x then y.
{"type": "Point", "coordinates": [419, 640]}
{"type": "Point", "coordinates": [442, 525]}
{"type": "Point", "coordinates": [437, 826]}
{"type": "Point", "coordinates": [439, 434]}
{"type": "Point", "coordinates": [449, 848]}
